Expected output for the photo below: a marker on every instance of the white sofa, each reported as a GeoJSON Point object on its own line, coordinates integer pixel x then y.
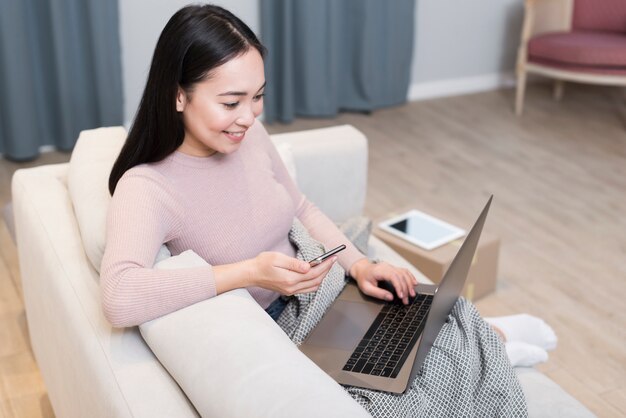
{"type": "Point", "coordinates": [221, 357]}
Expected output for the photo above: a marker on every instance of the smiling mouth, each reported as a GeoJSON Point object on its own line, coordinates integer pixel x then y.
{"type": "Point", "coordinates": [237, 134]}
{"type": "Point", "coordinates": [235, 137]}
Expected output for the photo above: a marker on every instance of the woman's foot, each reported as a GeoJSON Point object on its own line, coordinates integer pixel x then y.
{"type": "Point", "coordinates": [522, 354]}
{"type": "Point", "coordinates": [525, 328]}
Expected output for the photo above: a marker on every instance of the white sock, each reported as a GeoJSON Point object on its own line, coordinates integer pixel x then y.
{"type": "Point", "coordinates": [521, 354]}
{"type": "Point", "coordinates": [527, 329]}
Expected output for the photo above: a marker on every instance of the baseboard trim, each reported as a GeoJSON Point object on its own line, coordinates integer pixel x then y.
{"type": "Point", "coordinates": [460, 86]}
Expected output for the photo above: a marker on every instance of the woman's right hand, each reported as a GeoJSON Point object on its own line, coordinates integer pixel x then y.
{"type": "Point", "coordinates": [287, 275]}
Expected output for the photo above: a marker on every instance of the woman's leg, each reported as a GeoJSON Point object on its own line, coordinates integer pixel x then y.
{"type": "Point", "coordinates": [526, 338]}
{"type": "Point", "coordinates": [525, 328]}
{"type": "Point", "coordinates": [276, 308]}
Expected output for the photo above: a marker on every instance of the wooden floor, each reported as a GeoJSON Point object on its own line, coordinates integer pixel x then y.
{"type": "Point", "coordinates": [559, 179]}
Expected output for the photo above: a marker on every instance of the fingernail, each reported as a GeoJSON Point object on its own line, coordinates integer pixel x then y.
{"type": "Point", "coordinates": [389, 297]}
{"type": "Point", "coordinates": [401, 295]}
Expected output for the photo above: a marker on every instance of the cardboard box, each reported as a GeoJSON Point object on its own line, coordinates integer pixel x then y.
{"type": "Point", "coordinates": [434, 263]}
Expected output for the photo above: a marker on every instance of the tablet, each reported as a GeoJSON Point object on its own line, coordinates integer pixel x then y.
{"type": "Point", "coordinates": [421, 229]}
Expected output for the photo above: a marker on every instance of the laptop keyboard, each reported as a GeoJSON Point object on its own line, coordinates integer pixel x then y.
{"type": "Point", "coordinates": [389, 340]}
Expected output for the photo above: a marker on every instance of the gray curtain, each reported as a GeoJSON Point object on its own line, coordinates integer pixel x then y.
{"type": "Point", "coordinates": [60, 72]}
{"type": "Point", "coordinates": [331, 55]}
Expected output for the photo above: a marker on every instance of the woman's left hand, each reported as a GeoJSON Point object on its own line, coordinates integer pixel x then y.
{"type": "Point", "coordinates": [367, 276]}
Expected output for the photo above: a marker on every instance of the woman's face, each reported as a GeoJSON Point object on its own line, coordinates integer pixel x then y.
{"type": "Point", "coordinates": [219, 110]}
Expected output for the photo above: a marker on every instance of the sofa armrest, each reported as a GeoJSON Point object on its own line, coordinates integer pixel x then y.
{"type": "Point", "coordinates": [90, 369]}
{"type": "Point", "coordinates": [233, 360]}
{"type": "Point", "coordinates": [331, 168]}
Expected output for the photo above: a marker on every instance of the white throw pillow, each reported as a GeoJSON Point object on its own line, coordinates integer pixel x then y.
{"type": "Point", "coordinates": [88, 180]}
{"type": "Point", "coordinates": [284, 150]}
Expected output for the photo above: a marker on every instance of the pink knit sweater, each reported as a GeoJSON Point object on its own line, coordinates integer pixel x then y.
{"type": "Point", "coordinates": [226, 208]}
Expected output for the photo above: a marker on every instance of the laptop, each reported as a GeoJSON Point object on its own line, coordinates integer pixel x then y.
{"type": "Point", "coordinates": [365, 342]}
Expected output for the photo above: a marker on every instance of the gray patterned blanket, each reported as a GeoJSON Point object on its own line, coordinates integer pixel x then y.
{"type": "Point", "coordinates": [466, 373]}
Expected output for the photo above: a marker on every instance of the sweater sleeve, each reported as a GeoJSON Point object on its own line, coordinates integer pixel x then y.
{"type": "Point", "coordinates": [320, 226]}
{"type": "Point", "coordinates": [143, 215]}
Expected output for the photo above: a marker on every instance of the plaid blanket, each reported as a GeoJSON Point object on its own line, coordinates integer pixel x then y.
{"type": "Point", "coordinates": [466, 373]}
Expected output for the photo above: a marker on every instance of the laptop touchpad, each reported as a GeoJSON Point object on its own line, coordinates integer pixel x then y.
{"type": "Point", "coordinates": [344, 325]}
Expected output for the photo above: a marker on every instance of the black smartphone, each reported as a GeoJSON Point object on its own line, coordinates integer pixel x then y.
{"type": "Point", "coordinates": [318, 260]}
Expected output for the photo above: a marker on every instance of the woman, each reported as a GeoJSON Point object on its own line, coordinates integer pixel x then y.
{"type": "Point", "coordinates": [199, 172]}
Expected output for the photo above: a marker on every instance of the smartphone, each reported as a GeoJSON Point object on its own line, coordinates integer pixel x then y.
{"type": "Point", "coordinates": [324, 256]}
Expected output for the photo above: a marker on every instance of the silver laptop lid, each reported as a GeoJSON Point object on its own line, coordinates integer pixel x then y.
{"type": "Point", "coordinates": [449, 290]}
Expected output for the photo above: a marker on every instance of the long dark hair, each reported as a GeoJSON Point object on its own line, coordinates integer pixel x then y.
{"type": "Point", "coordinates": [195, 41]}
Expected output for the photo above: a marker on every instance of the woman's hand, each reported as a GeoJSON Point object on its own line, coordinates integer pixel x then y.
{"type": "Point", "coordinates": [287, 275]}
{"type": "Point", "coordinates": [367, 276]}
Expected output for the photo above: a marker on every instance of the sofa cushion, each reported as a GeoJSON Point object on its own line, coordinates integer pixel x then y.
{"type": "Point", "coordinates": [593, 49]}
{"type": "Point", "coordinates": [331, 162]}
{"type": "Point", "coordinates": [88, 179]}
{"type": "Point", "coordinates": [547, 399]}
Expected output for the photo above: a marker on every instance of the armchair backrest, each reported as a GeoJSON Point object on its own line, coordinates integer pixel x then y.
{"type": "Point", "coordinates": [542, 16]}
{"type": "Point", "coordinates": [547, 16]}
{"type": "Point", "coordinates": [606, 15]}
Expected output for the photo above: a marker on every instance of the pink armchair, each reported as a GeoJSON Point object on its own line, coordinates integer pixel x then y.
{"type": "Point", "coordinates": [572, 40]}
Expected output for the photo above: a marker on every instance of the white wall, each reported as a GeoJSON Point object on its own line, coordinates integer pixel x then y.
{"type": "Point", "coordinates": [464, 46]}
{"type": "Point", "coordinates": [460, 46]}
{"type": "Point", "coordinates": [141, 22]}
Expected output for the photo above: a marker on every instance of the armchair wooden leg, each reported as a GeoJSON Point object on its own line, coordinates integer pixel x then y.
{"type": "Point", "coordinates": [558, 90]}
{"type": "Point", "coordinates": [521, 89]}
